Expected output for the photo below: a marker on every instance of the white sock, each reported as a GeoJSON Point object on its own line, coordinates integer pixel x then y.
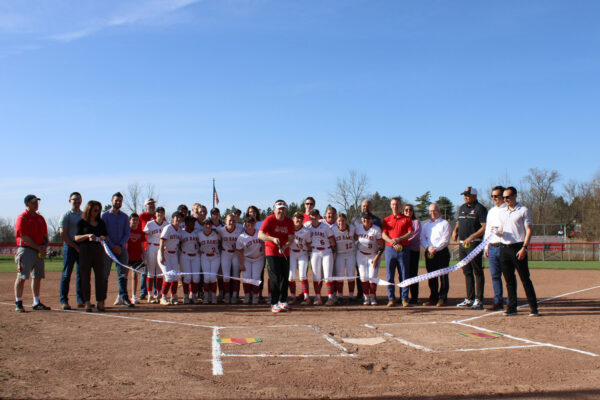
{"type": "Point", "coordinates": [18, 298]}
{"type": "Point", "coordinates": [36, 300]}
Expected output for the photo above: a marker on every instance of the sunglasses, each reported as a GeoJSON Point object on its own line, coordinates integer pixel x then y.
{"type": "Point", "coordinates": [408, 209]}
{"type": "Point", "coordinates": [495, 196]}
{"type": "Point", "coordinates": [309, 204]}
{"type": "Point", "coordinates": [507, 197]}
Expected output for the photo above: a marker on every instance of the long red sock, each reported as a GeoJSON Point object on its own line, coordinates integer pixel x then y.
{"type": "Point", "coordinates": [165, 288]}
{"type": "Point", "coordinates": [186, 288]}
{"type": "Point", "coordinates": [305, 286]}
{"type": "Point", "coordinates": [159, 284]}
{"type": "Point", "coordinates": [317, 288]}
{"type": "Point", "coordinates": [236, 286]}
{"type": "Point", "coordinates": [292, 285]}
{"type": "Point", "coordinates": [226, 288]}
{"type": "Point", "coordinates": [246, 288]}
{"type": "Point", "coordinates": [174, 288]}
{"type": "Point", "coordinates": [220, 285]}
{"type": "Point", "coordinates": [149, 285]}
{"type": "Point", "coordinates": [373, 288]}
{"type": "Point", "coordinates": [206, 287]}
{"type": "Point", "coordinates": [213, 287]}
{"type": "Point", "coordinates": [329, 288]}
{"type": "Point", "coordinates": [366, 288]}
{"type": "Point", "coordinates": [339, 288]}
{"type": "Point", "coordinates": [255, 290]}
{"type": "Point", "coordinates": [195, 287]}
{"type": "Point", "coordinates": [351, 287]}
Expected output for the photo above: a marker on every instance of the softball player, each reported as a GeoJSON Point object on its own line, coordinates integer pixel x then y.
{"type": "Point", "coordinates": [170, 237]}
{"type": "Point", "coordinates": [321, 257]}
{"type": "Point", "coordinates": [251, 257]}
{"type": "Point", "coordinates": [230, 264]}
{"type": "Point", "coordinates": [369, 249]}
{"type": "Point", "coordinates": [345, 258]}
{"type": "Point", "coordinates": [210, 260]}
{"type": "Point", "coordinates": [330, 216]}
{"type": "Point", "coordinates": [299, 247]}
{"type": "Point", "coordinates": [190, 261]}
{"type": "Point", "coordinates": [152, 230]}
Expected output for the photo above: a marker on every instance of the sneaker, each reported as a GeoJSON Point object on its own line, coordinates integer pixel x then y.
{"type": "Point", "coordinates": [255, 299]}
{"type": "Point", "coordinates": [330, 301]}
{"type": "Point", "coordinates": [39, 307]}
{"type": "Point", "coordinates": [19, 306]}
{"type": "Point", "coordinates": [126, 302]}
{"type": "Point", "coordinates": [174, 299]}
{"type": "Point", "coordinates": [66, 307]}
{"type": "Point", "coordinates": [366, 301]}
{"type": "Point", "coordinates": [391, 303]}
{"type": "Point", "coordinates": [306, 301]}
{"type": "Point", "coordinates": [276, 309]}
{"type": "Point", "coordinates": [118, 301]}
{"type": "Point", "coordinates": [135, 300]}
{"type": "Point", "coordinates": [510, 312]}
{"type": "Point", "coordinates": [373, 300]}
{"type": "Point", "coordinates": [534, 313]}
{"type": "Point", "coordinates": [285, 306]}
{"type": "Point", "coordinates": [477, 305]}
{"type": "Point", "coordinates": [466, 303]}
{"type": "Point", "coordinates": [247, 298]}
{"type": "Point", "coordinates": [227, 299]}
{"type": "Point", "coordinates": [164, 301]}
{"type": "Point", "coordinates": [317, 301]}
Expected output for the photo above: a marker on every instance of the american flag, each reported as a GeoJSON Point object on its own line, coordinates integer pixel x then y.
{"type": "Point", "coordinates": [215, 195]}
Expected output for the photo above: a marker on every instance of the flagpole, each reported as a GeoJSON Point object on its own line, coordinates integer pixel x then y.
{"type": "Point", "coordinates": [213, 196]}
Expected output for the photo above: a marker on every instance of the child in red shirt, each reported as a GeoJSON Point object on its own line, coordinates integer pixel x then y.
{"type": "Point", "coordinates": [135, 249]}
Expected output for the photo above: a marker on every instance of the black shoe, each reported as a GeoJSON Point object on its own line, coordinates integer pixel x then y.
{"type": "Point", "coordinates": [19, 306]}
{"type": "Point", "coordinates": [127, 303]}
{"type": "Point", "coordinates": [39, 307]}
{"type": "Point", "coordinates": [143, 297]}
{"type": "Point", "coordinates": [66, 307]}
{"type": "Point", "coordinates": [413, 301]}
{"type": "Point", "coordinates": [80, 305]}
{"type": "Point", "coordinates": [510, 312]}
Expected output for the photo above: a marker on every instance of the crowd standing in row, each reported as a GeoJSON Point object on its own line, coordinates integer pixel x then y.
{"type": "Point", "coordinates": [210, 257]}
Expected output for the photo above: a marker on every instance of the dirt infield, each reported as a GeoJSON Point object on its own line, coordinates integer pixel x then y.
{"type": "Point", "coordinates": [155, 351]}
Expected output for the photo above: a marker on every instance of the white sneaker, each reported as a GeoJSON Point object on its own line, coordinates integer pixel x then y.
{"type": "Point", "coordinates": [284, 306]}
{"type": "Point", "coordinates": [255, 299]}
{"type": "Point", "coordinates": [317, 301]}
{"type": "Point", "coordinates": [477, 305]}
{"type": "Point", "coordinates": [466, 303]}
{"type": "Point", "coordinates": [247, 298]}
{"type": "Point", "coordinates": [186, 299]}
{"type": "Point", "coordinates": [373, 300]}
{"type": "Point", "coordinates": [214, 298]}
{"type": "Point", "coordinates": [118, 301]}
{"type": "Point", "coordinates": [276, 308]}
{"type": "Point", "coordinates": [164, 301]}
{"type": "Point", "coordinates": [174, 299]}
{"type": "Point", "coordinates": [366, 301]}
{"type": "Point", "coordinates": [135, 300]}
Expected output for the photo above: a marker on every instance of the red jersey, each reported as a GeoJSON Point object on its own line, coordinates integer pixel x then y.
{"type": "Point", "coordinates": [397, 226]}
{"type": "Point", "coordinates": [146, 217]}
{"type": "Point", "coordinates": [32, 225]}
{"type": "Point", "coordinates": [134, 244]}
{"type": "Point", "coordinates": [279, 229]}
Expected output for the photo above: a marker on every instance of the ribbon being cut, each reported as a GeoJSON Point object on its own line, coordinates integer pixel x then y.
{"type": "Point", "coordinates": [107, 250]}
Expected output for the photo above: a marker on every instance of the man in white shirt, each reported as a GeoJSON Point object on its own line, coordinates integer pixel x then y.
{"type": "Point", "coordinates": [435, 237]}
{"type": "Point", "coordinates": [492, 250]}
{"type": "Point", "coordinates": [515, 236]}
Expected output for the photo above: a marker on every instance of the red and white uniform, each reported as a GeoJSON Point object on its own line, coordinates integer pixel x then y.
{"type": "Point", "coordinates": [230, 264]}
{"type": "Point", "coordinates": [209, 255]}
{"type": "Point", "coordinates": [367, 248]}
{"type": "Point", "coordinates": [299, 254]}
{"type": "Point", "coordinates": [190, 257]}
{"type": "Point", "coordinates": [321, 258]}
{"type": "Point", "coordinates": [172, 238]}
{"type": "Point", "coordinates": [254, 255]}
{"type": "Point", "coordinates": [345, 258]}
{"type": "Point", "coordinates": [153, 231]}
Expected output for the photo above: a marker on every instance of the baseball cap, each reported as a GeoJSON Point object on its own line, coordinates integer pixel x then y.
{"type": "Point", "coordinates": [470, 190]}
{"type": "Point", "coordinates": [298, 214]}
{"type": "Point", "coordinates": [280, 204]}
{"type": "Point", "coordinates": [148, 201]}
{"type": "Point", "coordinates": [366, 215]}
{"type": "Point", "coordinates": [314, 211]}
{"type": "Point", "coordinates": [160, 209]}
{"type": "Point", "coordinates": [31, 197]}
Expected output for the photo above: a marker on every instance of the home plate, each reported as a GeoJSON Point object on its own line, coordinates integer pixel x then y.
{"type": "Point", "coordinates": [365, 341]}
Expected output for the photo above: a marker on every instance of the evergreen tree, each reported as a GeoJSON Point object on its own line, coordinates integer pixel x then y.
{"type": "Point", "coordinates": [446, 208]}
{"type": "Point", "coordinates": [422, 205]}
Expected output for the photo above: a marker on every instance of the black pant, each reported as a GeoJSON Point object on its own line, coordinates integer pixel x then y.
{"type": "Point", "coordinates": [413, 270]}
{"type": "Point", "coordinates": [510, 262]}
{"type": "Point", "coordinates": [473, 272]}
{"type": "Point", "coordinates": [440, 260]}
{"type": "Point", "coordinates": [279, 271]}
{"type": "Point", "coordinates": [91, 256]}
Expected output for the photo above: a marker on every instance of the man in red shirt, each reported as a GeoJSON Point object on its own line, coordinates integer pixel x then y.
{"type": "Point", "coordinates": [396, 230]}
{"type": "Point", "coordinates": [277, 231]}
{"type": "Point", "coordinates": [146, 217]}
{"type": "Point", "coordinates": [32, 240]}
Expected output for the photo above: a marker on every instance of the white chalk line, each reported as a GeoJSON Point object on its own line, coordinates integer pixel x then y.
{"type": "Point", "coordinates": [289, 355]}
{"type": "Point", "coordinates": [497, 348]}
{"type": "Point", "coordinates": [526, 304]}
{"type": "Point", "coordinates": [406, 323]}
{"type": "Point", "coordinates": [404, 341]}
{"type": "Point", "coordinates": [329, 339]}
{"type": "Point", "coordinates": [527, 340]}
{"type": "Point", "coordinates": [217, 365]}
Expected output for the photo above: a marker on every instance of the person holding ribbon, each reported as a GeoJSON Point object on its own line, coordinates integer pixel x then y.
{"type": "Point", "coordinates": [469, 230]}
{"type": "Point", "coordinates": [397, 229]}
{"type": "Point", "coordinates": [435, 237]}
{"type": "Point", "coordinates": [90, 231]}
{"type": "Point", "coordinates": [250, 252]}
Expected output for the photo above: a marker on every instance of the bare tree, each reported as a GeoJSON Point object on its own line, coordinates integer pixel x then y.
{"type": "Point", "coordinates": [53, 229]}
{"type": "Point", "coordinates": [538, 191]}
{"type": "Point", "coordinates": [7, 231]}
{"type": "Point", "coordinates": [136, 193]}
{"type": "Point", "coordinates": [349, 192]}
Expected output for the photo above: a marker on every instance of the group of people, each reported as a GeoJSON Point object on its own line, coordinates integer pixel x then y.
{"type": "Point", "coordinates": [208, 255]}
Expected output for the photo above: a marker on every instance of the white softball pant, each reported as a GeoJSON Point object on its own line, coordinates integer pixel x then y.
{"type": "Point", "coordinates": [298, 261]}
{"type": "Point", "coordinates": [210, 267]}
{"type": "Point", "coordinates": [171, 267]}
{"type": "Point", "coordinates": [152, 261]}
{"type": "Point", "coordinates": [322, 265]}
{"type": "Point", "coordinates": [190, 266]}
{"type": "Point", "coordinates": [253, 268]}
{"type": "Point", "coordinates": [345, 264]}
{"type": "Point", "coordinates": [230, 265]}
{"type": "Point", "coordinates": [366, 269]}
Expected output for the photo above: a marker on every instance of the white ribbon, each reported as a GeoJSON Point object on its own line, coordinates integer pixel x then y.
{"type": "Point", "coordinates": [254, 282]}
{"type": "Point", "coordinates": [447, 270]}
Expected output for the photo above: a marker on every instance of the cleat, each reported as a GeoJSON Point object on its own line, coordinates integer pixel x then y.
{"type": "Point", "coordinates": [373, 300]}
{"type": "Point", "coordinates": [118, 301]}
{"type": "Point", "coordinates": [40, 307]}
{"type": "Point", "coordinates": [285, 307]}
{"type": "Point", "coordinates": [135, 300]}
{"type": "Point", "coordinates": [317, 301]}
{"type": "Point", "coordinates": [494, 307]}
{"type": "Point", "coordinates": [366, 301]}
{"type": "Point", "coordinates": [510, 312]}
{"type": "Point", "coordinates": [19, 306]}
{"type": "Point", "coordinates": [276, 309]}
{"type": "Point", "coordinates": [306, 301]}
{"type": "Point", "coordinates": [247, 298]}
{"type": "Point", "coordinates": [206, 299]}
{"type": "Point", "coordinates": [186, 299]}
{"type": "Point", "coordinates": [477, 305]}
{"type": "Point", "coordinates": [466, 303]}
{"type": "Point", "coordinates": [164, 301]}
{"type": "Point", "coordinates": [255, 299]}
{"type": "Point", "coordinates": [534, 314]}
{"type": "Point", "coordinates": [214, 298]}
{"type": "Point", "coordinates": [330, 301]}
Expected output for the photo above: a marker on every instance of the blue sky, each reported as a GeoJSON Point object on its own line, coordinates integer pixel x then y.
{"type": "Point", "coordinates": [277, 99]}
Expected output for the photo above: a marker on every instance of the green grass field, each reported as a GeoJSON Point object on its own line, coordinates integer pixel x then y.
{"type": "Point", "coordinates": [7, 264]}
